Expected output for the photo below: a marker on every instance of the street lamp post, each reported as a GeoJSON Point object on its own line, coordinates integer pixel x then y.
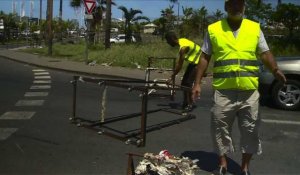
{"type": "Point", "coordinates": [107, 24]}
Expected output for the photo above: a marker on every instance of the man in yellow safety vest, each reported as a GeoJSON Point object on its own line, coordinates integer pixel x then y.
{"type": "Point", "coordinates": [233, 43]}
{"type": "Point", "coordinates": [190, 52]}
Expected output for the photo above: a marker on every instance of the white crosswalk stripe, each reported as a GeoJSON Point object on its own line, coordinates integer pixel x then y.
{"type": "Point", "coordinates": [42, 81]}
{"type": "Point", "coordinates": [6, 132]}
{"type": "Point", "coordinates": [42, 77]}
{"type": "Point", "coordinates": [38, 70]}
{"type": "Point", "coordinates": [17, 115]}
{"type": "Point", "coordinates": [36, 94]}
{"type": "Point", "coordinates": [40, 87]}
{"type": "Point", "coordinates": [30, 103]}
{"type": "Point", "coordinates": [41, 73]}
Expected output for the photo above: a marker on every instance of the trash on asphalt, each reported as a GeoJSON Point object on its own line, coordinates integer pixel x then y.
{"type": "Point", "coordinates": [107, 64]}
{"type": "Point", "coordinates": [93, 63]}
{"type": "Point", "coordinates": [166, 164]}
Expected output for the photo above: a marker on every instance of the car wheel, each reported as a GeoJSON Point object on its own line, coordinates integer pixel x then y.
{"type": "Point", "coordinates": [288, 96]}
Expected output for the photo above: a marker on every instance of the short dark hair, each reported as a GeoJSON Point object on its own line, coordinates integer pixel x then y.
{"type": "Point", "coordinates": [171, 35]}
{"type": "Point", "coordinates": [227, 1]}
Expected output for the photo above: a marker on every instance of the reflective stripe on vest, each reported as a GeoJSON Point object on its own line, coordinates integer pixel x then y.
{"type": "Point", "coordinates": [241, 62]}
{"type": "Point", "coordinates": [194, 50]}
{"type": "Point", "coordinates": [235, 74]}
{"type": "Point", "coordinates": [235, 62]}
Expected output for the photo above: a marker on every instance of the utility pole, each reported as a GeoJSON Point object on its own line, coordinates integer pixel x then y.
{"type": "Point", "coordinates": [107, 24]}
{"type": "Point", "coordinates": [49, 25]}
{"type": "Point", "coordinates": [40, 23]}
{"type": "Point", "coordinates": [60, 20]}
{"type": "Point", "coordinates": [278, 3]}
{"type": "Point", "coordinates": [178, 17]}
{"type": "Point", "coordinates": [41, 5]}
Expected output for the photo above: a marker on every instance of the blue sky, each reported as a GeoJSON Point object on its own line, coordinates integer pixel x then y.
{"type": "Point", "coordinates": [150, 8]}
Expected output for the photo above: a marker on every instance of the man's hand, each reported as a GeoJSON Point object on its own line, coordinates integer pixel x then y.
{"type": "Point", "coordinates": [196, 92]}
{"type": "Point", "coordinates": [279, 76]}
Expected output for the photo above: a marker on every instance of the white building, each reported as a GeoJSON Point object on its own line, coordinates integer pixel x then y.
{"type": "Point", "coordinates": [150, 28]}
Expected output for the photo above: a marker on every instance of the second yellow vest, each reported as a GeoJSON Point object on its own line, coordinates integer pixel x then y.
{"type": "Point", "coordinates": [194, 50]}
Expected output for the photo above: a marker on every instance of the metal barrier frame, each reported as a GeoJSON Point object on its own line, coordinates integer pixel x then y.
{"type": "Point", "coordinates": [140, 136]}
{"type": "Point", "coordinates": [150, 68]}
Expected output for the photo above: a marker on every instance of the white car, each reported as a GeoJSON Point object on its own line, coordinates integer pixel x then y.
{"type": "Point", "coordinates": [121, 39]}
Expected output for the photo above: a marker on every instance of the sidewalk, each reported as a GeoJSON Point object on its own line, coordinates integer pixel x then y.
{"type": "Point", "coordinates": [79, 67]}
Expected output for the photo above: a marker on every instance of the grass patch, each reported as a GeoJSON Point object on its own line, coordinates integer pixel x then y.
{"type": "Point", "coordinates": [131, 55]}
{"type": "Point", "coordinates": [123, 55]}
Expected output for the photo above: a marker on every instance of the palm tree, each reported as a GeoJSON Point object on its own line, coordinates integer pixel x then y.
{"type": "Point", "coordinates": [203, 13]}
{"type": "Point", "coordinates": [169, 17]}
{"type": "Point", "coordinates": [130, 17]}
{"type": "Point", "coordinates": [187, 12]}
{"type": "Point", "coordinates": [260, 1]}
{"type": "Point", "coordinates": [176, 2]}
{"type": "Point", "coordinates": [218, 15]}
{"type": "Point", "coordinates": [10, 23]}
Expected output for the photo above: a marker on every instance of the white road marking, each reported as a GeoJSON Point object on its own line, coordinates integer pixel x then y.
{"type": "Point", "coordinates": [6, 132]}
{"type": "Point", "coordinates": [279, 113]}
{"type": "Point", "coordinates": [41, 73]}
{"type": "Point", "coordinates": [42, 77]}
{"type": "Point", "coordinates": [30, 103]}
{"type": "Point", "coordinates": [42, 81]}
{"type": "Point", "coordinates": [294, 135]}
{"type": "Point", "coordinates": [36, 94]}
{"type": "Point", "coordinates": [281, 122]}
{"type": "Point", "coordinates": [38, 70]}
{"type": "Point", "coordinates": [12, 115]}
{"type": "Point", "coordinates": [40, 87]}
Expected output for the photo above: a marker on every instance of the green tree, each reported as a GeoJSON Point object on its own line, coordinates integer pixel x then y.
{"type": "Point", "coordinates": [289, 16]}
{"type": "Point", "coordinates": [199, 20]}
{"type": "Point", "coordinates": [131, 17]}
{"type": "Point", "coordinates": [259, 12]}
{"type": "Point", "coordinates": [187, 12]}
{"type": "Point", "coordinates": [217, 15]}
{"type": "Point", "coordinates": [10, 24]}
{"type": "Point", "coordinates": [185, 27]}
{"type": "Point", "coordinates": [167, 19]}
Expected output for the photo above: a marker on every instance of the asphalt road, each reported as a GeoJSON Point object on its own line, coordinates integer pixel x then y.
{"type": "Point", "coordinates": [43, 141]}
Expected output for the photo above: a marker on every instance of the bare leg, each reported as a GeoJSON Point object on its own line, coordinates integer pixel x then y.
{"type": "Point", "coordinates": [223, 161]}
{"type": "Point", "coordinates": [246, 161]}
{"type": "Point", "coordinates": [222, 170]}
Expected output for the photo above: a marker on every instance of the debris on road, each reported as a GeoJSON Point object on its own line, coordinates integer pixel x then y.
{"type": "Point", "coordinates": [166, 164]}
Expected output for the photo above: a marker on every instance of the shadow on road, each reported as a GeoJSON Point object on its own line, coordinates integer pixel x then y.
{"type": "Point", "coordinates": [208, 161]}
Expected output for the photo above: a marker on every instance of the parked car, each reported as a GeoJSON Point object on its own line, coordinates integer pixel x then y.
{"type": "Point", "coordinates": [283, 96]}
{"type": "Point", "coordinates": [120, 39]}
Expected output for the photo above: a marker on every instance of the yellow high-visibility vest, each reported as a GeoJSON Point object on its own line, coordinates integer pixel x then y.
{"type": "Point", "coordinates": [194, 50]}
{"type": "Point", "coordinates": [235, 62]}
